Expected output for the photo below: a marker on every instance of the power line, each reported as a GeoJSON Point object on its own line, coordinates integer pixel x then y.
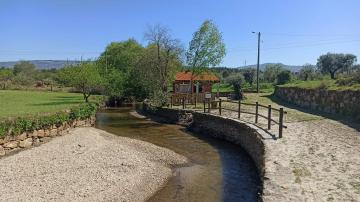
{"type": "Point", "coordinates": [310, 35]}
{"type": "Point", "coordinates": [295, 45]}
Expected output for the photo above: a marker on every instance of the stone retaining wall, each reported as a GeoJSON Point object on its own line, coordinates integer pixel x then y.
{"type": "Point", "coordinates": [10, 144]}
{"type": "Point", "coordinates": [243, 134]}
{"type": "Point", "coordinates": [330, 101]}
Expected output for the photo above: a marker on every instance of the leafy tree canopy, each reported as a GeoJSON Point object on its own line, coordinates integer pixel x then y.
{"type": "Point", "coordinates": [284, 77]}
{"type": "Point", "coordinates": [307, 72]}
{"type": "Point", "coordinates": [206, 48]}
{"type": "Point", "coordinates": [121, 55]}
{"type": "Point", "coordinates": [272, 71]}
{"type": "Point", "coordinates": [334, 62]}
{"type": "Point", "coordinates": [84, 77]}
{"type": "Point", "coordinates": [24, 67]}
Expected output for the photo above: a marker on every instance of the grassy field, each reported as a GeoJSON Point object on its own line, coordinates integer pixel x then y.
{"type": "Point", "coordinates": [328, 83]}
{"type": "Point", "coordinates": [15, 103]}
{"type": "Point", "coordinates": [222, 87]}
{"type": "Point", "coordinates": [225, 87]}
{"type": "Point", "coordinates": [293, 115]}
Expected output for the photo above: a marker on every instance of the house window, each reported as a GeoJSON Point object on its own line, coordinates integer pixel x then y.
{"type": "Point", "coordinates": [184, 88]}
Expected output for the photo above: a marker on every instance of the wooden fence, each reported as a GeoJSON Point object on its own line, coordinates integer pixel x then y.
{"type": "Point", "coordinates": [217, 105]}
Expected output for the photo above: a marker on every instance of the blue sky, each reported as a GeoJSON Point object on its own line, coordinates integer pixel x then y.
{"type": "Point", "coordinates": [293, 32]}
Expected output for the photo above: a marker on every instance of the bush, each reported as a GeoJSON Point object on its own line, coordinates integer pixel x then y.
{"type": "Point", "coordinates": [22, 124]}
{"type": "Point", "coordinates": [237, 81]}
{"type": "Point", "coordinates": [348, 81]}
{"type": "Point", "coordinates": [284, 77]}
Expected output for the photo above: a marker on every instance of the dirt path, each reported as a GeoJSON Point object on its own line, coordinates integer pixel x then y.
{"type": "Point", "coordinates": [318, 159]}
{"type": "Point", "coordinates": [86, 165]}
{"type": "Point", "coordinates": [321, 159]}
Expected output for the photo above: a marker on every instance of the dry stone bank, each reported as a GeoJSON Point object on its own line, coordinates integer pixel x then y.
{"type": "Point", "coordinates": [330, 101]}
{"type": "Point", "coordinates": [13, 143]}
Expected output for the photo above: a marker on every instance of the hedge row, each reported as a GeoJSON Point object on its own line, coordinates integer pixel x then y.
{"type": "Point", "coordinates": [22, 124]}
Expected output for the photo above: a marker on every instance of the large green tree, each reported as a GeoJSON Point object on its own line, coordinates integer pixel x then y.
{"type": "Point", "coordinates": [334, 62]}
{"type": "Point", "coordinates": [84, 77]}
{"type": "Point", "coordinates": [206, 49]}
{"type": "Point", "coordinates": [117, 66]}
{"type": "Point", "coordinates": [120, 55]}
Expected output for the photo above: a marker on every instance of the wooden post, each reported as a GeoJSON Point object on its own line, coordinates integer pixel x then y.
{"type": "Point", "coordinates": [220, 107]}
{"type": "Point", "coordinates": [195, 100]}
{"type": "Point", "coordinates": [204, 106]}
{"type": "Point", "coordinates": [171, 101]}
{"type": "Point", "coordinates": [239, 109]}
{"type": "Point", "coordinates": [256, 112]}
{"type": "Point", "coordinates": [209, 106]}
{"type": "Point", "coordinates": [269, 117]}
{"type": "Point", "coordinates": [281, 119]}
{"type": "Point", "coordinates": [183, 103]}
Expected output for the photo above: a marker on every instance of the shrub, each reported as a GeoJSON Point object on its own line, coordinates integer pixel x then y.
{"type": "Point", "coordinates": [22, 124]}
{"type": "Point", "coordinates": [348, 81]}
{"type": "Point", "coordinates": [284, 77]}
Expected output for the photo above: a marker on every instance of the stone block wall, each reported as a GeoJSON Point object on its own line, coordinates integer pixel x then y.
{"type": "Point", "coordinates": [13, 143]}
{"type": "Point", "coordinates": [346, 103]}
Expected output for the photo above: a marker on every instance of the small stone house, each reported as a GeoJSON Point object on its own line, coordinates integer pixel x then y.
{"type": "Point", "coordinates": [193, 87]}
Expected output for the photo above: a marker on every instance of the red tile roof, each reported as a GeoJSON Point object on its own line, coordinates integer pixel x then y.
{"type": "Point", "coordinates": [186, 76]}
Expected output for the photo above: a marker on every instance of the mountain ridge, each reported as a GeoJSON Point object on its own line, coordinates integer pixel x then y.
{"type": "Point", "coordinates": [49, 64]}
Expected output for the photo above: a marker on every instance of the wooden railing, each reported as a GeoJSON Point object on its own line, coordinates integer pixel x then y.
{"type": "Point", "coordinates": [217, 105]}
{"type": "Point", "coordinates": [188, 98]}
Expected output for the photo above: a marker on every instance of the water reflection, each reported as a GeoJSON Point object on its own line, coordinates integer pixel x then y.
{"type": "Point", "coordinates": [218, 170]}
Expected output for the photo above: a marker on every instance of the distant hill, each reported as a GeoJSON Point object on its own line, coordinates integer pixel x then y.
{"type": "Point", "coordinates": [43, 64]}
{"type": "Point", "coordinates": [294, 68]}
{"type": "Point", "coordinates": [49, 64]}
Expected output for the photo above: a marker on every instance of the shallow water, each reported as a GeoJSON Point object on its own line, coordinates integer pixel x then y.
{"type": "Point", "coordinates": [218, 170]}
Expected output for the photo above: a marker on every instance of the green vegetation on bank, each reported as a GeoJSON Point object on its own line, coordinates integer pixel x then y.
{"type": "Point", "coordinates": [324, 84]}
{"type": "Point", "coordinates": [36, 122]}
{"type": "Point", "coordinates": [16, 103]}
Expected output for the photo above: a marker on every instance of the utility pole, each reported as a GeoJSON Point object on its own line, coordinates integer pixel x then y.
{"type": "Point", "coordinates": [106, 62]}
{"type": "Point", "coordinates": [258, 63]}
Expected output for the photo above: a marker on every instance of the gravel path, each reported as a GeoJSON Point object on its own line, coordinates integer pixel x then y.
{"type": "Point", "coordinates": [87, 165]}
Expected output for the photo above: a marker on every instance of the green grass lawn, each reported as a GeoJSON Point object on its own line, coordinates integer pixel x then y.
{"type": "Point", "coordinates": [293, 115]}
{"type": "Point", "coordinates": [222, 87]}
{"type": "Point", "coordinates": [14, 103]}
{"type": "Point", "coordinates": [328, 83]}
{"type": "Point", "coordinates": [225, 88]}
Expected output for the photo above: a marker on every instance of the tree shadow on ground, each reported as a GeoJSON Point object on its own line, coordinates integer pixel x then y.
{"type": "Point", "coordinates": [340, 118]}
{"type": "Point", "coordinates": [57, 103]}
{"type": "Point", "coordinates": [67, 97]}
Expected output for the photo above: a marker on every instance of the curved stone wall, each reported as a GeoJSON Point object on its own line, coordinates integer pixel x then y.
{"type": "Point", "coordinates": [243, 134]}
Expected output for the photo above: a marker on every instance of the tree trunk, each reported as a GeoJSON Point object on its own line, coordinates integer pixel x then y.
{"type": "Point", "coordinates": [86, 97]}
{"type": "Point", "coordinates": [332, 75]}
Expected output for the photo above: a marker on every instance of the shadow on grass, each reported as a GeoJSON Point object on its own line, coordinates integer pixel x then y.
{"type": "Point", "coordinates": [57, 103]}
{"type": "Point", "coordinates": [343, 119]}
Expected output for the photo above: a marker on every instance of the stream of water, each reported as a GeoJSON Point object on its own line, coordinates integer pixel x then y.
{"type": "Point", "coordinates": [218, 170]}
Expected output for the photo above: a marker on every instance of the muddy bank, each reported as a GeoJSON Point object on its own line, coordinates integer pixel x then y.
{"type": "Point", "coordinates": [87, 165]}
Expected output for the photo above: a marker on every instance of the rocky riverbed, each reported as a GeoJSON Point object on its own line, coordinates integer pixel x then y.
{"type": "Point", "coordinates": [87, 165]}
